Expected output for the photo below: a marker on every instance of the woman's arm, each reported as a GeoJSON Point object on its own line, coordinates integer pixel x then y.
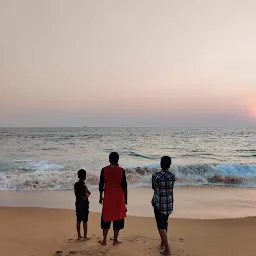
{"type": "Point", "coordinates": [101, 185]}
{"type": "Point", "coordinates": [124, 186]}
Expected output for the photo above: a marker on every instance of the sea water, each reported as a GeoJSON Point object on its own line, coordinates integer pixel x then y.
{"type": "Point", "coordinates": [49, 158]}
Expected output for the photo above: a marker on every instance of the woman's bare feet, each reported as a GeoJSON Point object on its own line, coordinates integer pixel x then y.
{"type": "Point", "coordinates": [116, 242]}
{"type": "Point", "coordinates": [166, 252]}
{"type": "Point", "coordinates": [103, 242]}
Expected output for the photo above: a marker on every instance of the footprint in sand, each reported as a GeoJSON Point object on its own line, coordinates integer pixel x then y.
{"type": "Point", "coordinates": [59, 253]}
{"type": "Point", "coordinates": [92, 253]}
{"type": "Point", "coordinates": [140, 240]}
{"type": "Point", "coordinates": [72, 252]}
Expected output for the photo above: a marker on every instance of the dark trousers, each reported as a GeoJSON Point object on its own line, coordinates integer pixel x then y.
{"type": "Point", "coordinates": [117, 224]}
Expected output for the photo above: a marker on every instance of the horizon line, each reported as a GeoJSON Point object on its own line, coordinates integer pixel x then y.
{"type": "Point", "coordinates": [173, 127]}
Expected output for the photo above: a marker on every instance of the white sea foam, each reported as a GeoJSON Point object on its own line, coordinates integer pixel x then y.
{"type": "Point", "coordinates": [44, 175]}
{"type": "Point", "coordinates": [43, 166]}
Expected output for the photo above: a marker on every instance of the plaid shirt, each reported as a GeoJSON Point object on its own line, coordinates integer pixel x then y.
{"type": "Point", "coordinates": [162, 184]}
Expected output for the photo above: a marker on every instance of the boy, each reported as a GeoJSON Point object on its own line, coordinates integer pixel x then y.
{"type": "Point", "coordinates": [162, 201]}
{"type": "Point", "coordinates": [82, 204]}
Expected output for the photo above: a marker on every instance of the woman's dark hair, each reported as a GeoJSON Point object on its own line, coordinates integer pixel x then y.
{"type": "Point", "coordinates": [114, 158]}
{"type": "Point", "coordinates": [81, 174]}
{"type": "Point", "coordinates": [166, 162]}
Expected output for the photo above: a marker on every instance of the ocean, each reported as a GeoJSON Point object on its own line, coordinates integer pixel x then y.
{"type": "Point", "coordinates": [49, 158]}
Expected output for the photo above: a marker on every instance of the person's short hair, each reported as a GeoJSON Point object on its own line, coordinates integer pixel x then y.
{"type": "Point", "coordinates": [166, 162]}
{"type": "Point", "coordinates": [113, 158]}
{"type": "Point", "coordinates": [81, 174]}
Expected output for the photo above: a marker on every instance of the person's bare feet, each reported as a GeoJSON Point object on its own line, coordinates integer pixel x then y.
{"type": "Point", "coordinates": [166, 252]}
{"type": "Point", "coordinates": [116, 242]}
{"type": "Point", "coordinates": [103, 242]}
{"type": "Point", "coordinates": [161, 246]}
{"type": "Point", "coordinates": [86, 238]}
{"type": "Point", "coordinates": [79, 238]}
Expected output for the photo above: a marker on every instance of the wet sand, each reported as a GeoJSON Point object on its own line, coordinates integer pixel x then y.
{"type": "Point", "coordinates": [189, 202]}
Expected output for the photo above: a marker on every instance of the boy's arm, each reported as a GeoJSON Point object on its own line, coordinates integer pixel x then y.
{"type": "Point", "coordinates": [75, 189]}
{"type": "Point", "coordinates": [87, 193]}
{"type": "Point", "coordinates": [154, 183]}
{"type": "Point", "coordinates": [124, 186]}
{"type": "Point", "coordinates": [173, 179]}
{"type": "Point", "coordinates": [101, 185]}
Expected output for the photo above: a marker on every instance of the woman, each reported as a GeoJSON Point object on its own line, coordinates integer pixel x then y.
{"type": "Point", "coordinates": [113, 184]}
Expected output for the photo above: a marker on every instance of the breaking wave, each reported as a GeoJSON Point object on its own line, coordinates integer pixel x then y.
{"type": "Point", "coordinates": [44, 175]}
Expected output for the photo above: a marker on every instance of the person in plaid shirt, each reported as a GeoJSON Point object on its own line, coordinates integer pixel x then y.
{"type": "Point", "coordinates": [162, 201]}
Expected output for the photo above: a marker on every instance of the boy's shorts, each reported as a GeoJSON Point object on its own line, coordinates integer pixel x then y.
{"type": "Point", "coordinates": [161, 219]}
{"type": "Point", "coordinates": [82, 213]}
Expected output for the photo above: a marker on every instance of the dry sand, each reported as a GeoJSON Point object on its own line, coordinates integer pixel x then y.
{"type": "Point", "coordinates": [39, 231]}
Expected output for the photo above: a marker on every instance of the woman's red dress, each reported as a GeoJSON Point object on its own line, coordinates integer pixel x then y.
{"type": "Point", "coordinates": [114, 201]}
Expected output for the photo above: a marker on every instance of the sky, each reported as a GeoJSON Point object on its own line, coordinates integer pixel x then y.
{"type": "Point", "coordinates": [188, 63]}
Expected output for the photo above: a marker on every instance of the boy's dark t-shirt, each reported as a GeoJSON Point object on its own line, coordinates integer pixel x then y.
{"type": "Point", "coordinates": [81, 194]}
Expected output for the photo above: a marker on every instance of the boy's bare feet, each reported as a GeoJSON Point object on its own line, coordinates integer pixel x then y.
{"type": "Point", "coordinates": [116, 242]}
{"type": "Point", "coordinates": [86, 238]}
{"type": "Point", "coordinates": [103, 242]}
{"type": "Point", "coordinates": [161, 245]}
{"type": "Point", "coordinates": [166, 252]}
{"type": "Point", "coordinates": [79, 238]}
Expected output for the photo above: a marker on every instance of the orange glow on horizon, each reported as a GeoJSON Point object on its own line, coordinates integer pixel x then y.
{"type": "Point", "coordinates": [253, 110]}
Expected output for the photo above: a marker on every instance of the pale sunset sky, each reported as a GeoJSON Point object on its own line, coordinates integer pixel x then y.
{"type": "Point", "coordinates": [189, 63]}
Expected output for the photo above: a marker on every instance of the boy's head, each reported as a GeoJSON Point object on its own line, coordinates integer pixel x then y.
{"type": "Point", "coordinates": [81, 174]}
{"type": "Point", "coordinates": [166, 162]}
{"type": "Point", "coordinates": [113, 158]}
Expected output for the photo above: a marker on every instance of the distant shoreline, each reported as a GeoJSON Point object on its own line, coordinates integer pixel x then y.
{"type": "Point", "coordinates": [164, 127]}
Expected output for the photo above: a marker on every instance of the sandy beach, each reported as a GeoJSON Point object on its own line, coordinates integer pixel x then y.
{"type": "Point", "coordinates": [207, 221]}
{"type": "Point", "coordinates": [40, 232]}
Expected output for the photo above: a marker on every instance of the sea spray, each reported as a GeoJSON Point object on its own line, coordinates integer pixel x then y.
{"type": "Point", "coordinates": [44, 175]}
